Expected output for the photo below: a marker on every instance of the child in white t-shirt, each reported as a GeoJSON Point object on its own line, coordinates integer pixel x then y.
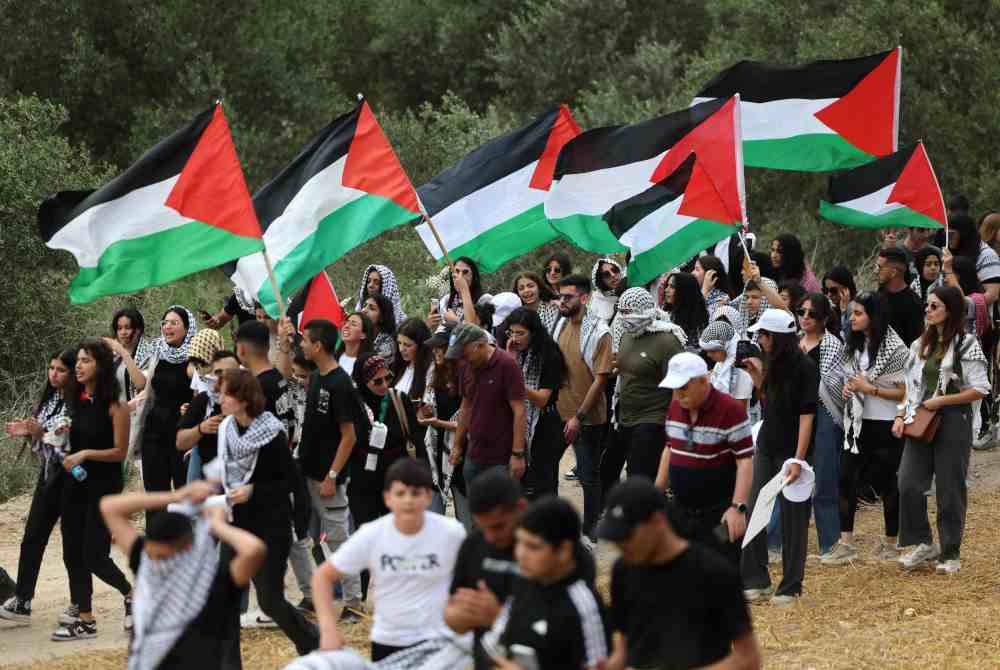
{"type": "Point", "coordinates": [410, 554]}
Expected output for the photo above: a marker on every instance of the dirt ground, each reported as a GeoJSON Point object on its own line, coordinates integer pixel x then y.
{"type": "Point", "coordinates": [869, 615]}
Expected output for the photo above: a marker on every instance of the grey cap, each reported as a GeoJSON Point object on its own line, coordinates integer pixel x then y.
{"type": "Point", "coordinates": [465, 334]}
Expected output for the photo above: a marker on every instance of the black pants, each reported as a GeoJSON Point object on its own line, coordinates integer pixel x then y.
{"type": "Point", "coordinates": [163, 466]}
{"type": "Point", "coordinates": [547, 447]}
{"type": "Point", "coordinates": [612, 461]}
{"type": "Point", "coordinates": [380, 651]}
{"type": "Point", "coordinates": [270, 584]}
{"type": "Point", "coordinates": [365, 501]}
{"type": "Point", "coordinates": [640, 446]}
{"type": "Point", "coordinates": [700, 524]}
{"type": "Point", "coordinates": [878, 457]}
{"type": "Point", "coordinates": [86, 541]}
{"type": "Point", "coordinates": [46, 506]}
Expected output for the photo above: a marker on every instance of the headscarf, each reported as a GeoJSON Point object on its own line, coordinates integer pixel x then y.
{"type": "Point", "coordinates": [372, 366]}
{"type": "Point", "coordinates": [890, 359]}
{"type": "Point", "coordinates": [170, 594]}
{"type": "Point", "coordinates": [732, 315]}
{"type": "Point", "coordinates": [178, 354]}
{"type": "Point", "coordinates": [205, 344]}
{"type": "Point", "coordinates": [743, 305]}
{"type": "Point", "coordinates": [594, 276]}
{"type": "Point", "coordinates": [721, 336]}
{"type": "Point", "coordinates": [238, 453]}
{"type": "Point", "coordinates": [390, 289]}
{"type": "Point", "coordinates": [643, 316]}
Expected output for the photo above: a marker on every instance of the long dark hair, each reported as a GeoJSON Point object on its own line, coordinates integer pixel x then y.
{"type": "Point", "coordinates": [106, 387]}
{"type": "Point", "coordinates": [68, 358]}
{"type": "Point", "coordinates": [565, 264]}
{"type": "Point", "coordinates": [842, 276]}
{"type": "Point", "coordinates": [710, 262]}
{"type": "Point", "coordinates": [965, 271]}
{"type": "Point", "coordinates": [542, 344]}
{"type": "Point", "coordinates": [763, 262]}
{"type": "Point", "coordinates": [782, 364]}
{"type": "Point", "coordinates": [968, 236]}
{"type": "Point", "coordinates": [793, 260]}
{"type": "Point", "coordinates": [795, 292]}
{"type": "Point", "coordinates": [688, 309]}
{"type": "Point", "coordinates": [877, 310]}
{"type": "Point", "coordinates": [416, 330]}
{"type": "Point", "coordinates": [544, 292]}
{"type": "Point", "coordinates": [938, 339]}
{"type": "Point", "coordinates": [920, 259]}
{"type": "Point", "coordinates": [386, 313]}
{"type": "Point", "coordinates": [475, 285]}
{"type": "Point", "coordinates": [135, 318]}
{"type": "Point", "coordinates": [367, 344]}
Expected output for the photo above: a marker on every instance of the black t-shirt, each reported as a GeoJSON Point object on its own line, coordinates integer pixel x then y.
{"type": "Point", "coordinates": [480, 560]}
{"type": "Point", "coordinates": [551, 379]}
{"type": "Point", "coordinates": [798, 395]}
{"type": "Point", "coordinates": [330, 401]}
{"type": "Point", "coordinates": [171, 389]}
{"type": "Point", "coordinates": [684, 614]}
{"type": "Point", "coordinates": [233, 307]}
{"type": "Point", "coordinates": [276, 483]}
{"type": "Point", "coordinates": [208, 443]}
{"type": "Point", "coordinates": [279, 399]}
{"type": "Point", "coordinates": [211, 632]}
{"type": "Point", "coordinates": [906, 314]}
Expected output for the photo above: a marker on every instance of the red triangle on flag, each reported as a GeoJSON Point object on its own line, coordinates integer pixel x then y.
{"type": "Point", "coordinates": [372, 165]}
{"type": "Point", "coordinates": [717, 167]}
{"type": "Point", "coordinates": [917, 187]}
{"type": "Point", "coordinates": [321, 303]}
{"type": "Point", "coordinates": [866, 116]}
{"type": "Point", "coordinates": [563, 130]}
{"type": "Point", "coordinates": [211, 188]}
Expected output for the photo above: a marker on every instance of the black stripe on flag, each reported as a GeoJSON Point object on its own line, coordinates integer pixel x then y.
{"type": "Point", "coordinates": [614, 146]}
{"type": "Point", "coordinates": [489, 163]}
{"type": "Point", "coordinates": [627, 213]}
{"type": "Point", "coordinates": [764, 82]}
{"type": "Point", "coordinates": [163, 161]}
{"type": "Point", "coordinates": [870, 177]}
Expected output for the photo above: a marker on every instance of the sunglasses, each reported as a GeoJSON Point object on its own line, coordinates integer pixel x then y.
{"type": "Point", "coordinates": [566, 297]}
{"type": "Point", "coordinates": [613, 272]}
{"type": "Point", "coordinates": [934, 306]}
{"type": "Point", "coordinates": [807, 313]}
{"type": "Point", "coordinates": [384, 379]}
{"type": "Point", "coordinates": [554, 270]}
{"type": "Point", "coordinates": [831, 290]}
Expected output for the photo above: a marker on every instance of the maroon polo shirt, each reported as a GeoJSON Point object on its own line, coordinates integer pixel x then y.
{"type": "Point", "coordinates": [490, 390]}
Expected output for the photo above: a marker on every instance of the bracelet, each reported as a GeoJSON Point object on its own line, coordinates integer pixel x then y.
{"type": "Point", "coordinates": [517, 454]}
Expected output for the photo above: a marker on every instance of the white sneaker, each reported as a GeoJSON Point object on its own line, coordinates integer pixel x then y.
{"type": "Point", "coordinates": [886, 552]}
{"type": "Point", "coordinates": [841, 554]}
{"type": "Point", "coordinates": [69, 616]}
{"type": "Point", "coordinates": [753, 595]}
{"type": "Point", "coordinates": [783, 601]}
{"type": "Point", "coordinates": [256, 619]}
{"type": "Point", "coordinates": [919, 556]}
{"type": "Point", "coordinates": [949, 567]}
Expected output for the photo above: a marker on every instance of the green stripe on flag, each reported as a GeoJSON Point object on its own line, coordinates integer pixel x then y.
{"type": "Point", "coordinates": [680, 247]}
{"type": "Point", "coordinates": [158, 259]}
{"type": "Point", "coordinates": [901, 217]}
{"type": "Point", "coordinates": [508, 240]}
{"type": "Point", "coordinates": [804, 153]}
{"type": "Point", "coordinates": [590, 232]}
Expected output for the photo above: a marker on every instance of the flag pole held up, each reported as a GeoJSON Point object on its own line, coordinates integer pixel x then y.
{"type": "Point", "coordinates": [274, 284]}
{"type": "Point", "coordinates": [437, 235]}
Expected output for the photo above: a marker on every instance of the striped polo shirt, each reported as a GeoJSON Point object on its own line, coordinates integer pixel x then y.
{"type": "Point", "coordinates": [703, 456]}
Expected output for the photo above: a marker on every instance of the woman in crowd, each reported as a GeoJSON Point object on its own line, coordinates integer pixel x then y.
{"type": "Point", "coordinates": [465, 290]}
{"type": "Point", "coordinates": [197, 431]}
{"type": "Point", "coordinates": [608, 280]}
{"type": "Point", "coordinates": [960, 272]}
{"type": "Point", "coordinates": [98, 443]}
{"type": "Point", "coordinates": [964, 240]}
{"type": "Point", "coordinates": [544, 370]}
{"type": "Point", "coordinates": [718, 341]}
{"type": "Point", "coordinates": [439, 414]}
{"type": "Point", "coordinates": [356, 337]}
{"type": "Point", "coordinates": [874, 367]}
{"type": "Point", "coordinates": [989, 230]}
{"type": "Point", "coordinates": [684, 302]}
{"type": "Point", "coordinates": [412, 366]}
{"type": "Point", "coordinates": [201, 355]}
{"type": "Point", "coordinates": [537, 297]}
{"type": "Point", "coordinates": [379, 280]}
{"type": "Point", "coordinates": [839, 288]}
{"type": "Point", "coordinates": [132, 351]}
{"type": "Point", "coordinates": [261, 482]}
{"type": "Point", "coordinates": [788, 383]}
{"type": "Point", "coordinates": [790, 263]}
{"type": "Point", "coordinates": [946, 373]}
{"type": "Point", "coordinates": [928, 264]}
{"type": "Point", "coordinates": [46, 432]}
{"type": "Point", "coordinates": [557, 266]}
{"type": "Point", "coordinates": [169, 388]}
{"type": "Point", "coordinates": [791, 292]}
{"type": "Point", "coordinates": [714, 281]}
{"type": "Point", "coordinates": [374, 381]}
{"type": "Point", "coordinates": [379, 311]}
{"type": "Point", "coordinates": [826, 350]}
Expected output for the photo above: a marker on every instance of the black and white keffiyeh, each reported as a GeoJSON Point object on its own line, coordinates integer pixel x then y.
{"type": "Point", "coordinates": [169, 594]}
{"type": "Point", "coordinates": [244, 299]}
{"type": "Point", "coordinates": [549, 314]}
{"type": "Point", "coordinates": [390, 289]}
{"type": "Point", "coordinates": [238, 453]}
{"type": "Point", "coordinates": [890, 360]}
{"type": "Point", "coordinates": [721, 336]}
{"type": "Point", "coordinates": [51, 416]}
{"type": "Point", "coordinates": [178, 354]}
{"type": "Point", "coordinates": [742, 304]}
{"type": "Point", "coordinates": [831, 375]}
{"type": "Point", "coordinates": [638, 314]}
{"type": "Point", "coordinates": [531, 367]}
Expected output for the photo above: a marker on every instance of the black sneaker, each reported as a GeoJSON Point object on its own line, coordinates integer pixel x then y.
{"type": "Point", "coordinates": [306, 605]}
{"type": "Point", "coordinates": [70, 615]}
{"type": "Point", "coordinates": [81, 630]}
{"type": "Point", "coordinates": [349, 616]}
{"type": "Point", "coordinates": [16, 610]}
{"type": "Point", "coordinates": [8, 587]}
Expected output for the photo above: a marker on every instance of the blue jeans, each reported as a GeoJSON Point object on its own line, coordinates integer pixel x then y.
{"type": "Point", "coordinates": [194, 465]}
{"type": "Point", "coordinates": [829, 442]}
{"type": "Point", "coordinates": [472, 470]}
{"type": "Point", "coordinates": [588, 459]}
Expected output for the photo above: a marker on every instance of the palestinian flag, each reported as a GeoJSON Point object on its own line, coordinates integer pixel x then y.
{"type": "Point", "coordinates": [345, 188]}
{"type": "Point", "coordinates": [317, 300]}
{"type": "Point", "coordinates": [181, 208]}
{"type": "Point", "coordinates": [898, 191]}
{"type": "Point", "coordinates": [637, 188]}
{"type": "Point", "coordinates": [818, 117]}
{"type": "Point", "coordinates": [488, 205]}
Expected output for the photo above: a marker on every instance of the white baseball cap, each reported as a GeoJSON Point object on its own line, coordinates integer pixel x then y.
{"type": "Point", "coordinates": [774, 321]}
{"type": "Point", "coordinates": [683, 368]}
{"type": "Point", "coordinates": [503, 304]}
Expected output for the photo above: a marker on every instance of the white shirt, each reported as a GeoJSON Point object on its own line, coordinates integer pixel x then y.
{"type": "Point", "coordinates": [347, 362]}
{"type": "Point", "coordinates": [742, 384]}
{"type": "Point", "coordinates": [411, 575]}
{"type": "Point", "coordinates": [406, 381]}
{"type": "Point", "coordinates": [879, 408]}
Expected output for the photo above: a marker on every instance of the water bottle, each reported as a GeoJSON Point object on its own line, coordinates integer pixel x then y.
{"type": "Point", "coordinates": [79, 474]}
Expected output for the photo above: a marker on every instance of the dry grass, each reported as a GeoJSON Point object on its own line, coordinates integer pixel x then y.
{"type": "Point", "coordinates": [869, 615]}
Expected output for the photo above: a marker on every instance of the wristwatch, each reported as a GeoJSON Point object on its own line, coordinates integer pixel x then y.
{"type": "Point", "coordinates": [333, 475]}
{"type": "Point", "coordinates": [739, 507]}
{"type": "Point", "coordinates": [517, 454]}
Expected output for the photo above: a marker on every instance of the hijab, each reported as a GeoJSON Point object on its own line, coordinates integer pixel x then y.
{"type": "Point", "coordinates": [178, 354]}
{"type": "Point", "coordinates": [390, 289]}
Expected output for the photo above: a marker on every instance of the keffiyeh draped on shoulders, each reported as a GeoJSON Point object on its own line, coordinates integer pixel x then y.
{"type": "Point", "coordinates": [890, 360]}
{"type": "Point", "coordinates": [178, 354]}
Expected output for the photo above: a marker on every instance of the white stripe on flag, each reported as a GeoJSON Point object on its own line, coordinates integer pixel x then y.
{"type": "Point", "coordinates": [873, 203]}
{"type": "Point", "coordinates": [780, 119]}
{"type": "Point", "coordinates": [594, 193]}
{"type": "Point", "coordinates": [655, 227]}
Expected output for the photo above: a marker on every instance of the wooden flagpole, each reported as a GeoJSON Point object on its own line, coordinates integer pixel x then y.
{"type": "Point", "coordinates": [274, 284]}
{"type": "Point", "coordinates": [434, 231]}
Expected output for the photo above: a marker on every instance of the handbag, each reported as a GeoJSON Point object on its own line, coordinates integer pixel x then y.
{"type": "Point", "coordinates": [404, 424]}
{"type": "Point", "coordinates": [924, 426]}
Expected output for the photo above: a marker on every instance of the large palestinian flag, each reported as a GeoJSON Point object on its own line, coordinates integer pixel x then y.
{"type": "Point", "coordinates": [818, 117]}
{"type": "Point", "coordinates": [637, 188]}
{"type": "Point", "coordinates": [345, 188]}
{"type": "Point", "coordinates": [181, 208]}
{"type": "Point", "coordinates": [898, 191]}
{"type": "Point", "coordinates": [488, 205]}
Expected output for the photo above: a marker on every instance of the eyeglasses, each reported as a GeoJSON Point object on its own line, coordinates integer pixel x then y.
{"type": "Point", "coordinates": [566, 297]}
{"type": "Point", "coordinates": [807, 313]}
{"type": "Point", "coordinates": [832, 290]}
{"type": "Point", "coordinates": [384, 379]}
{"type": "Point", "coordinates": [553, 270]}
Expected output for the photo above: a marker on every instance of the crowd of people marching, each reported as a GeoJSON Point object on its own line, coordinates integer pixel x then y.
{"type": "Point", "coordinates": [341, 452]}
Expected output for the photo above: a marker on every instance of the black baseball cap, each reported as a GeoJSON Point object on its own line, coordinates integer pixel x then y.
{"type": "Point", "coordinates": [629, 504]}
